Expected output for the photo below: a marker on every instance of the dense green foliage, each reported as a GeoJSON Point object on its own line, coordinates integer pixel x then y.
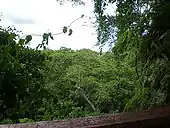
{"type": "Point", "coordinates": [21, 79]}
{"type": "Point", "coordinates": [46, 85]}
{"type": "Point", "coordinates": [91, 83]}
{"type": "Point", "coordinates": [142, 32]}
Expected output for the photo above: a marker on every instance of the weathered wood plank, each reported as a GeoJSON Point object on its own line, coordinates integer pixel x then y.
{"type": "Point", "coordinates": [146, 118]}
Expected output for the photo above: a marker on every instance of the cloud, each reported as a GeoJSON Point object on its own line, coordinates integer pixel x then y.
{"type": "Point", "coordinates": [20, 20]}
{"type": "Point", "coordinates": [39, 16]}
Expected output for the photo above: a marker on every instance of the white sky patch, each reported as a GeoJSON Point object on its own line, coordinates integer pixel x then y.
{"type": "Point", "coordinates": [39, 16]}
{"type": "Point", "coordinates": [111, 9]}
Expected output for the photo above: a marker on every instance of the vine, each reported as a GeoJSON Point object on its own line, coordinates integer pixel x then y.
{"type": "Point", "coordinates": [49, 35]}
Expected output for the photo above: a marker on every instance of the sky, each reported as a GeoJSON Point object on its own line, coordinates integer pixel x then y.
{"type": "Point", "coordinates": [39, 16]}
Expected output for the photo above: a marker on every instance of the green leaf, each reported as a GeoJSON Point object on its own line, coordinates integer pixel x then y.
{"type": "Point", "coordinates": [82, 15]}
{"type": "Point", "coordinates": [21, 41]}
{"type": "Point", "coordinates": [64, 29]}
{"type": "Point", "coordinates": [44, 47]}
{"type": "Point", "coordinates": [28, 39]}
{"type": "Point", "coordinates": [51, 36]}
{"type": "Point", "coordinates": [45, 38]}
{"type": "Point", "coordinates": [70, 32]}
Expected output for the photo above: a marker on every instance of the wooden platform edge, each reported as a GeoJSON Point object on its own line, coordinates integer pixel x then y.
{"type": "Point", "coordinates": [154, 115]}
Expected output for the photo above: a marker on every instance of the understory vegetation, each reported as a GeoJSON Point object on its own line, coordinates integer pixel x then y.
{"type": "Point", "coordinates": [46, 84]}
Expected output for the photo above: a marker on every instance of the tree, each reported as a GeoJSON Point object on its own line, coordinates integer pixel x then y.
{"type": "Point", "coordinates": [21, 86]}
{"type": "Point", "coordinates": [142, 40]}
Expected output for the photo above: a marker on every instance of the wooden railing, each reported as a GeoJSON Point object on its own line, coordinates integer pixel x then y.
{"type": "Point", "coordinates": [151, 118]}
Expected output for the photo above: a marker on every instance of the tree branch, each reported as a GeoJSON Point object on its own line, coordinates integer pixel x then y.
{"type": "Point", "coordinates": [54, 33]}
